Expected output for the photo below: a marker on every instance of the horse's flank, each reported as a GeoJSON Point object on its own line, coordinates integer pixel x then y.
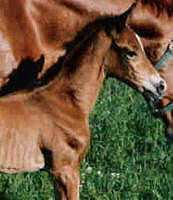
{"type": "Point", "coordinates": [30, 28]}
{"type": "Point", "coordinates": [153, 18]}
{"type": "Point", "coordinates": [159, 8]}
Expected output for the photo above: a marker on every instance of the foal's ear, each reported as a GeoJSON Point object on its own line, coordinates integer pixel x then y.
{"type": "Point", "coordinates": [123, 18]}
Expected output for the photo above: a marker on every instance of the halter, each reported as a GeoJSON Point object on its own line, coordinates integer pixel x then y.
{"type": "Point", "coordinates": [158, 66]}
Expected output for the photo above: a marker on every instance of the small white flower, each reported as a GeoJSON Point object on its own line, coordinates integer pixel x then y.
{"type": "Point", "coordinates": [89, 170]}
{"type": "Point", "coordinates": [113, 175]}
{"type": "Point", "coordinates": [99, 172]}
{"type": "Point", "coordinates": [117, 175]}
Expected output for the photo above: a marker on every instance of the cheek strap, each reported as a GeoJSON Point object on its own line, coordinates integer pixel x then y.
{"type": "Point", "coordinates": [165, 57]}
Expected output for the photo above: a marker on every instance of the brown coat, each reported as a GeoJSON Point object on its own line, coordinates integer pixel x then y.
{"type": "Point", "coordinates": [55, 117]}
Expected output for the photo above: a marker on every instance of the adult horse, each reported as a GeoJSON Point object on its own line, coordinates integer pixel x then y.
{"type": "Point", "coordinates": [55, 117]}
{"type": "Point", "coordinates": [153, 21]}
{"type": "Point", "coordinates": [31, 28]}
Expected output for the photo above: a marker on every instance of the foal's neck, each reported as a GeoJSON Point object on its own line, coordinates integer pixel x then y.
{"type": "Point", "coordinates": [84, 74]}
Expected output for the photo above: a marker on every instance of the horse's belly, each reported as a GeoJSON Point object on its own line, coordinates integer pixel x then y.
{"type": "Point", "coordinates": [20, 156]}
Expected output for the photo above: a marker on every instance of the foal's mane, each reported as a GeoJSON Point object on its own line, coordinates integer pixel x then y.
{"type": "Point", "coordinates": [74, 49]}
{"type": "Point", "coordinates": [158, 7]}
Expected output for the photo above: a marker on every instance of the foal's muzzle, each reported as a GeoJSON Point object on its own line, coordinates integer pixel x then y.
{"type": "Point", "coordinates": [160, 88]}
{"type": "Point", "coordinates": [153, 98]}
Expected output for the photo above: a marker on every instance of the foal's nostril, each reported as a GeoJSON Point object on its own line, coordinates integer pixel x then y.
{"type": "Point", "coordinates": [161, 87]}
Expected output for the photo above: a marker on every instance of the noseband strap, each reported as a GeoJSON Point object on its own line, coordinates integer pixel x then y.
{"type": "Point", "coordinates": [158, 66]}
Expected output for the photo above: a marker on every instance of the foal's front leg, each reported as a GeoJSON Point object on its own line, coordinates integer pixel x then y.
{"type": "Point", "coordinates": [65, 166]}
{"type": "Point", "coordinates": [67, 182]}
{"type": "Point", "coordinates": [65, 170]}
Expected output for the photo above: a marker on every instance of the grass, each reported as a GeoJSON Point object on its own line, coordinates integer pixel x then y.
{"type": "Point", "coordinates": [128, 158]}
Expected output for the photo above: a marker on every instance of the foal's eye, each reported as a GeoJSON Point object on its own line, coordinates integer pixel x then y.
{"type": "Point", "coordinates": [131, 54]}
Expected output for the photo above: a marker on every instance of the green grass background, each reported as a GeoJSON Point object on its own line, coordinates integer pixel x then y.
{"type": "Point", "coordinates": [128, 159]}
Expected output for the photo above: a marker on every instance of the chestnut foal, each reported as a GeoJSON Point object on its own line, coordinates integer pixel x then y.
{"type": "Point", "coordinates": [55, 117]}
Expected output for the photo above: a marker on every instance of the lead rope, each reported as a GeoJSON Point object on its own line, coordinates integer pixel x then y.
{"type": "Point", "coordinates": [158, 66]}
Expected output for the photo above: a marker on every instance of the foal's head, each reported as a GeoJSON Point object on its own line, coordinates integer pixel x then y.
{"type": "Point", "coordinates": [127, 61]}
